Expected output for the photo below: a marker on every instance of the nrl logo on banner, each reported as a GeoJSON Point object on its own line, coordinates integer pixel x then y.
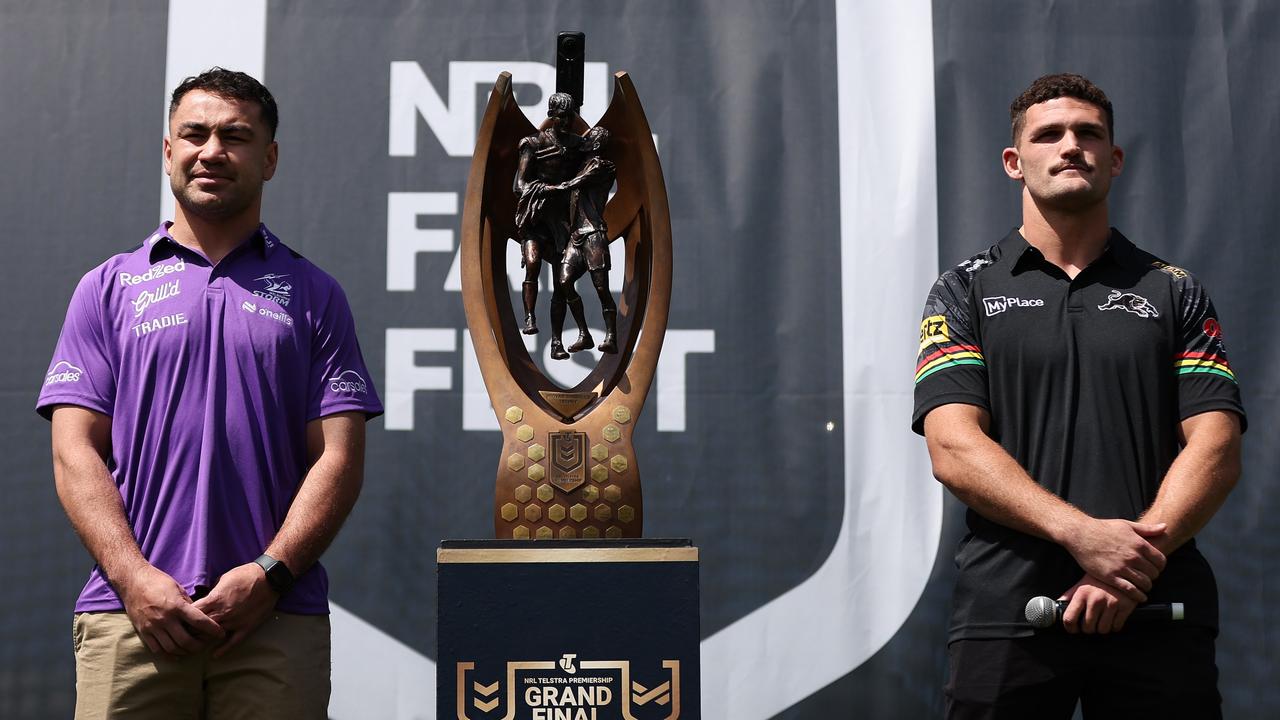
{"type": "Point", "coordinates": [569, 689]}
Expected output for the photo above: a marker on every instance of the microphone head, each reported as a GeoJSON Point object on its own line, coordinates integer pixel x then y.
{"type": "Point", "coordinates": [1041, 612]}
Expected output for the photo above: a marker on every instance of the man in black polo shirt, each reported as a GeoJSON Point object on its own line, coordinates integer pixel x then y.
{"type": "Point", "coordinates": [1075, 393]}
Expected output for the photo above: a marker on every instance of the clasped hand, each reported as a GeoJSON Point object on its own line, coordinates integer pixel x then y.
{"type": "Point", "coordinates": [1119, 553]}
{"type": "Point", "coordinates": [1121, 566]}
{"type": "Point", "coordinates": [169, 622]}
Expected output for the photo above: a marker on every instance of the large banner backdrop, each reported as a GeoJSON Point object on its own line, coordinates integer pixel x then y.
{"type": "Point", "coordinates": [823, 160]}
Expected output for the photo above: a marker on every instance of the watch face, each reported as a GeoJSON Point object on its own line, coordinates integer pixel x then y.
{"type": "Point", "coordinates": [278, 575]}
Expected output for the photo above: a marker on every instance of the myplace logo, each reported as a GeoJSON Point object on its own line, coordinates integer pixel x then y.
{"type": "Point", "coordinates": [348, 381]}
{"type": "Point", "coordinates": [63, 372]}
{"type": "Point", "coordinates": [998, 304]}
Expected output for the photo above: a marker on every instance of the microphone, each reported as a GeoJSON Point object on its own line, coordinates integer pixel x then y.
{"type": "Point", "coordinates": [1044, 612]}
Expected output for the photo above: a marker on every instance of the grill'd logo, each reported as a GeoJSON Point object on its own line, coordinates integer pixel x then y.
{"type": "Point", "coordinates": [147, 298]}
{"type": "Point", "coordinates": [998, 304]}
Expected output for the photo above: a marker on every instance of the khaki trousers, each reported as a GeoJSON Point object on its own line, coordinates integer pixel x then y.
{"type": "Point", "coordinates": [279, 671]}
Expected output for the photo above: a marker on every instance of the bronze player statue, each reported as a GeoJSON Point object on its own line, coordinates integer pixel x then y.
{"type": "Point", "coordinates": [547, 159]}
{"type": "Point", "coordinates": [588, 249]}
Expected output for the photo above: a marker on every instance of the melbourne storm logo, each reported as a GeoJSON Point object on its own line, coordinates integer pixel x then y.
{"type": "Point", "coordinates": [1129, 302]}
{"type": "Point", "coordinates": [277, 289]}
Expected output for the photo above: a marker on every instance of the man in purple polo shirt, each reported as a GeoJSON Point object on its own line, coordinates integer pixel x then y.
{"type": "Point", "coordinates": [208, 400]}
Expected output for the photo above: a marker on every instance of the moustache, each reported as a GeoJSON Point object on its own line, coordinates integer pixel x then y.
{"type": "Point", "coordinates": [1075, 165]}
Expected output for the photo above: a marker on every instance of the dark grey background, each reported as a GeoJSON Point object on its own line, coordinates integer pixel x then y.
{"type": "Point", "coordinates": [742, 97]}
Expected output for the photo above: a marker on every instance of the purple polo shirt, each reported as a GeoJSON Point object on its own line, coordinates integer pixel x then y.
{"type": "Point", "coordinates": [210, 376]}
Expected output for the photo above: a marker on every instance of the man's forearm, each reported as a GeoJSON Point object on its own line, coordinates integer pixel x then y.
{"type": "Point", "coordinates": [1199, 479]}
{"type": "Point", "coordinates": [327, 494]}
{"type": "Point", "coordinates": [991, 482]}
{"type": "Point", "coordinates": [93, 504]}
{"type": "Point", "coordinates": [983, 476]}
{"type": "Point", "coordinates": [321, 506]}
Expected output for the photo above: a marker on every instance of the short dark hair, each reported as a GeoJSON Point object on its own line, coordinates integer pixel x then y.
{"type": "Point", "coordinates": [597, 135]}
{"type": "Point", "coordinates": [561, 102]}
{"type": "Point", "coordinates": [233, 85]}
{"type": "Point", "coordinates": [1048, 87]}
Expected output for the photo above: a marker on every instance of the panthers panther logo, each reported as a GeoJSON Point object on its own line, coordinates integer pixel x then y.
{"type": "Point", "coordinates": [1129, 302]}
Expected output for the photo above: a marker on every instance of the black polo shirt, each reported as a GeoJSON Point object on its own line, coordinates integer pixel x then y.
{"type": "Point", "coordinates": [1086, 381]}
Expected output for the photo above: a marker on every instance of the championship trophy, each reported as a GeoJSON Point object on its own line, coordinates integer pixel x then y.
{"type": "Point", "coordinates": [513, 641]}
{"type": "Point", "coordinates": [568, 466]}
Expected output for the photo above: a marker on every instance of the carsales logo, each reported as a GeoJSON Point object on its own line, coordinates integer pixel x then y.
{"type": "Point", "coordinates": [159, 271]}
{"type": "Point", "coordinates": [63, 372]}
{"type": "Point", "coordinates": [349, 382]}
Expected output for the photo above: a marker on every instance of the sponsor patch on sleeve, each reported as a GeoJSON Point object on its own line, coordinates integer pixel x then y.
{"type": "Point", "coordinates": [1173, 270]}
{"type": "Point", "coordinates": [933, 331]}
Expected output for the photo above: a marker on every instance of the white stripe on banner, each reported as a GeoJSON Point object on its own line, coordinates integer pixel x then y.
{"type": "Point", "coordinates": [231, 34]}
{"type": "Point", "coordinates": [835, 620]}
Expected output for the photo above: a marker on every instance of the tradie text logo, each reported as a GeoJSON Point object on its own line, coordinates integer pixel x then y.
{"type": "Point", "coordinates": [164, 322]}
{"type": "Point", "coordinates": [997, 305]}
{"type": "Point", "coordinates": [147, 298]}
{"type": "Point", "coordinates": [63, 372]}
{"type": "Point", "coordinates": [159, 271]}
{"type": "Point", "coordinates": [348, 381]}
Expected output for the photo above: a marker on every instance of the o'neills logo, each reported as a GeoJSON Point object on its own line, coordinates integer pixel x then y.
{"type": "Point", "coordinates": [147, 298]}
{"type": "Point", "coordinates": [349, 382]}
{"type": "Point", "coordinates": [63, 372]}
{"type": "Point", "coordinates": [997, 305]}
{"type": "Point", "coordinates": [155, 273]}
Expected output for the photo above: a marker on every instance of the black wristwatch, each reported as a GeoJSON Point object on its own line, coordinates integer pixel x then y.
{"type": "Point", "coordinates": [278, 575]}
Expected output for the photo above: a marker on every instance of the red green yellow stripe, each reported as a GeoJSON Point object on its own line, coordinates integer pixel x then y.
{"type": "Point", "coordinates": [950, 356]}
{"type": "Point", "coordinates": [1189, 363]}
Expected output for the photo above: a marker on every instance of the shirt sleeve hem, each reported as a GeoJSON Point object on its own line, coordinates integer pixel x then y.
{"type": "Point", "coordinates": [370, 411]}
{"type": "Point", "coordinates": [46, 404]}
{"type": "Point", "coordinates": [1195, 408]}
{"type": "Point", "coordinates": [917, 420]}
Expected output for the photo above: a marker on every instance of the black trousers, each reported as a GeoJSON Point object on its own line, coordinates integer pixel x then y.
{"type": "Point", "coordinates": [1165, 672]}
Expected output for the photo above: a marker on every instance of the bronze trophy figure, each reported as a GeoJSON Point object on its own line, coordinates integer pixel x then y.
{"type": "Point", "coordinates": [568, 468]}
{"type": "Point", "coordinates": [588, 249]}
{"type": "Point", "coordinates": [547, 159]}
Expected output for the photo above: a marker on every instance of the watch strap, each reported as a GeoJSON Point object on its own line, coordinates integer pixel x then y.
{"type": "Point", "coordinates": [279, 577]}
